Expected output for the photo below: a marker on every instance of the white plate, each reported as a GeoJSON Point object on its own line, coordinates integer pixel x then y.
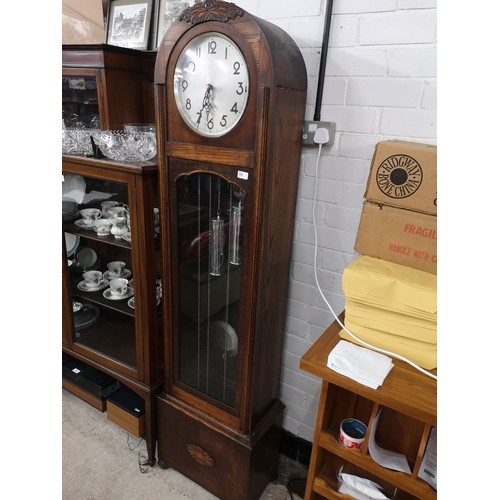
{"type": "Point", "coordinates": [82, 225]}
{"type": "Point", "coordinates": [84, 288]}
{"type": "Point", "coordinates": [226, 337]}
{"type": "Point", "coordinates": [108, 295]}
{"type": "Point", "coordinates": [125, 274]}
{"type": "Point", "coordinates": [131, 302]}
{"type": "Point", "coordinates": [72, 242]}
{"type": "Point", "coordinates": [73, 187]}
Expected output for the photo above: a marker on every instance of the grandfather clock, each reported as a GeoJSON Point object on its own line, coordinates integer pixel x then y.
{"type": "Point", "coordinates": [230, 93]}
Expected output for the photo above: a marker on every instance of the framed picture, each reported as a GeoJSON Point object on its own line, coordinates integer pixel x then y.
{"type": "Point", "coordinates": [129, 23]}
{"type": "Point", "coordinates": [168, 12]}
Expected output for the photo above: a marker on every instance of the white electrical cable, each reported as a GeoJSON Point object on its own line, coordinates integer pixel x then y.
{"type": "Point", "coordinates": [388, 353]}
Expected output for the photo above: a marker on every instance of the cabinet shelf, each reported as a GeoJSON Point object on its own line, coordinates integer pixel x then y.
{"type": "Point", "coordinates": [407, 399]}
{"type": "Point", "coordinates": [70, 227]}
{"type": "Point", "coordinates": [97, 298]}
{"type": "Point", "coordinates": [326, 484]}
{"type": "Point", "coordinates": [418, 488]}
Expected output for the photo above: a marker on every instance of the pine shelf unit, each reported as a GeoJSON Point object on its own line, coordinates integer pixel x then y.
{"type": "Point", "coordinates": [408, 400]}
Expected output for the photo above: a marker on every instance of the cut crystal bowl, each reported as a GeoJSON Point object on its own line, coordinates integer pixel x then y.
{"type": "Point", "coordinates": [129, 145]}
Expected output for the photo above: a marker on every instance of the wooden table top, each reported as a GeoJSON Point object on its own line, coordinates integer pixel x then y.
{"type": "Point", "coordinates": [405, 389]}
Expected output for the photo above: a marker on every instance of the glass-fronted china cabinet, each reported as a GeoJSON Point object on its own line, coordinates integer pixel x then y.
{"type": "Point", "coordinates": [117, 334]}
{"type": "Point", "coordinates": [105, 87]}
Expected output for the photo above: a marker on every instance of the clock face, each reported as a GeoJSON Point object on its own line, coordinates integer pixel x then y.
{"type": "Point", "coordinates": [211, 84]}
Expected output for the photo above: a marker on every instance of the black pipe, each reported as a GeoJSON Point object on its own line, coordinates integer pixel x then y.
{"type": "Point", "coordinates": [322, 64]}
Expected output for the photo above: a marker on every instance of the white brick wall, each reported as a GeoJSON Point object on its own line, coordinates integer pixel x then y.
{"type": "Point", "coordinates": [380, 83]}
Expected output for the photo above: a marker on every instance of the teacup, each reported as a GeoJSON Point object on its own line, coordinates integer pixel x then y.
{"type": "Point", "coordinates": [118, 286]}
{"type": "Point", "coordinates": [117, 212]}
{"type": "Point", "coordinates": [103, 226]}
{"type": "Point", "coordinates": [116, 268]}
{"type": "Point", "coordinates": [106, 205]}
{"type": "Point", "coordinates": [93, 279]}
{"type": "Point", "coordinates": [89, 215]}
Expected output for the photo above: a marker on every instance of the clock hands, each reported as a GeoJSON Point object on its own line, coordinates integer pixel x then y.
{"type": "Point", "coordinates": [206, 104]}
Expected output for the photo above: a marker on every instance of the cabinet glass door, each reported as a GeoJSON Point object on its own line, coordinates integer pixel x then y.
{"type": "Point", "coordinates": [80, 105]}
{"type": "Point", "coordinates": [103, 318]}
{"type": "Point", "coordinates": [210, 212]}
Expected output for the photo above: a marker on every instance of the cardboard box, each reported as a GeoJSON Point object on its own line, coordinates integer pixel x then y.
{"type": "Point", "coordinates": [404, 174]}
{"type": "Point", "coordinates": [397, 235]}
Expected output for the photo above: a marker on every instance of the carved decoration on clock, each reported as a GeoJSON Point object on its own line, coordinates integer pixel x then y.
{"type": "Point", "coordinates": [211, 10]}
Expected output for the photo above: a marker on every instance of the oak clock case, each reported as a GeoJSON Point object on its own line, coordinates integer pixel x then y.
{"type": "Point", "coordinates": [230, 94]}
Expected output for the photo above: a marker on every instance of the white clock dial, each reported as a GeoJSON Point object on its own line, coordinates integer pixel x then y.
{"type": "Point", "coordinates": [211, 84]}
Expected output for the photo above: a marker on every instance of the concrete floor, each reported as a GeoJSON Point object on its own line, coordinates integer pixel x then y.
{"type": "Point", "coordinates": [100, 460]}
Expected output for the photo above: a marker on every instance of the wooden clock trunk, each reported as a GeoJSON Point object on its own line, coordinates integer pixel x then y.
{"type": "Point", "coordinates": [227, 219]}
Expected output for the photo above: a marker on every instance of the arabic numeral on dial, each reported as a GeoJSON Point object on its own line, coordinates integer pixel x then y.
{"type": "Point", "coordinates": [190, 67]}
{"type": "Point", "coordinates": [198, 52]}
{"type": "Point", "coordinates": [212, 47]}
{"type": "Point", "coordinates": [184, 85]}
{"type": "Point", "coordinates": [240, 88]}
{"type": "Point", "coordinates": [188, 103]}
{"type": "Point", "coordinates": [234, 109]}
{"type": "Point", "coordinates": [210, 124]}
{"type": "Point", "coordinates": [236, 67]}
{"type": "Point", "coordinates": [223, 122]}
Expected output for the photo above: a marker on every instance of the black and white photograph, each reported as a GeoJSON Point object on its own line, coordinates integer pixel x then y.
{"type": "Point", "coordinates": [169, 11]}
{"type": "Point", "coordinates": [129, 23]}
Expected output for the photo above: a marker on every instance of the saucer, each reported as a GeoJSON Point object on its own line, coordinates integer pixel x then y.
{"type": "Point", "coordinates": [82, 225]}
{"type": "Point", "coordinates": [84, 288]}
{"type": "Point", "coordinates": [108, 295]}
{"type": "Point", "coordinates": [125, 274]}
{"type": "Point", "coordinates": [131, 302]}
{"type": "Point", "coordinates": [86, 256]}
{"type": "Point", "coordinates": [127, 237]}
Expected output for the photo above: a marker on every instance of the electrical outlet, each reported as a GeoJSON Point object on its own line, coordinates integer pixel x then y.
{"type": "Point", "coordinates": [310, 128]}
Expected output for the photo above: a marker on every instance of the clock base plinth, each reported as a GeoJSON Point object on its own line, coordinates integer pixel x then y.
{"type": "Point", "coordinates": [230, 465]}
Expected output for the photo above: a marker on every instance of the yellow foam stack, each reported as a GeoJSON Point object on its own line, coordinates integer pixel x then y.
{"type": "Point", "coordinates": [392, 307]}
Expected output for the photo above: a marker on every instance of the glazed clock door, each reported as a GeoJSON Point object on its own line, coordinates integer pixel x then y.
{"type": "Point", "coordinates": [210, 254]}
